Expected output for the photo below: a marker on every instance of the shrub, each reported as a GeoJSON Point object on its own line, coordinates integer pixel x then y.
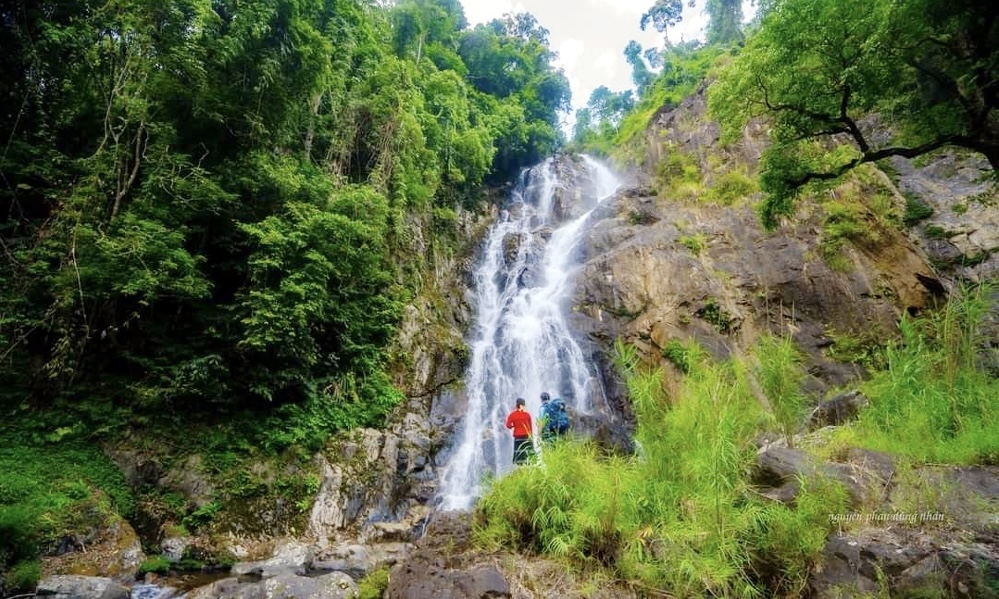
{"type": "Point", "coordinates": [24, 576]}
{"type": "Point", "coordinates": [54, 490]}
{"type": "Point", "coordinates": [158, 564]}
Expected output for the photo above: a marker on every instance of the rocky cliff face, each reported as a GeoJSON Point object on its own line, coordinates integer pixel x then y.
{"type": "Point", "coordinates": [668, 262]}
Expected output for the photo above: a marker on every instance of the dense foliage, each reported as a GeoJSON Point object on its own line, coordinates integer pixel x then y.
{"type": "Point", "coordinates": [843, 84]}
{"type": "Point", "coordinates": [928, 71]}
{"type": "Point", "coordinates": [613, 123]}
{"type": "Point", "coordinates": [48, 495]}
{"type": "Point", "coordinates": [937, 401]}
{"type": "Point", "coordinates": [204, 202]}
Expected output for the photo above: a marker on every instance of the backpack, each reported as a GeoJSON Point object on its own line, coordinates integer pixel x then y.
{"type": "Point", "coordinates": [558, 417]}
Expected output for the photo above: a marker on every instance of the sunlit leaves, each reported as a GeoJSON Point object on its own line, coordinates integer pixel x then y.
{"type": "Point", "coordinates": [820, 69]}
{"type": "Point", "coordinates": [230, 183]}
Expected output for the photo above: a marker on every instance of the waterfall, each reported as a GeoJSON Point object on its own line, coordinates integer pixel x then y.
{"type": "Point", "coordinates": [520, 344]}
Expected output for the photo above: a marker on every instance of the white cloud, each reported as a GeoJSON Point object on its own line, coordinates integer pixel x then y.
{"type": "Point", "coordinates": [481, 11]}
{"type": "Point", "coordinates": [569, 52]}
{"type": "Point", "coordinates": [590, 36]}
{"type": "Point", "coordinates": [629, 7]}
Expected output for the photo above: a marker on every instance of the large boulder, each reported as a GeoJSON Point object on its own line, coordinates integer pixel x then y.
{"type": "Point", "coordinates": [375, 484]}
{"type": "Point", "coordinates": [358, 559]}
{"type": "Point", "coordinates": [335, 585]}
{"type": "Point", "coordinates": [443, 565]}
{"type": "Point", "coordinates": [290, 557]}
{"type": "Point", "coordinates": [410, 581]}
{"type": "Point", "coordinates": [80, 587]}
{"type": "Point", "coordinates": [109, 547]}
{"type": "Point", "coordinates": [907, 561]}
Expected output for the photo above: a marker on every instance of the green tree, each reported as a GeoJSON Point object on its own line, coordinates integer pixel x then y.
{"type": "Point", "coordinates": [509, 59]}
{"type": "Point", "coordinates": [641, 76]}
{"type": "Point", "coordinates": [724, 21]}
{"type": "Point", "coordinates": [209, 202]}
{"type": "Point", "coordinates": [428, 27]}
{"type": "Point", "coordinates": [819, 69]}
{"type": "Point", "coordinates": [662, 15]}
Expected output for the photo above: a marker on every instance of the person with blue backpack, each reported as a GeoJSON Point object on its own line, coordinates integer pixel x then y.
{"type": "Point", "coordinates": [554, 418]}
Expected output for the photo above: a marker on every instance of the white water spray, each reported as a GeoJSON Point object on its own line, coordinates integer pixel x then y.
{"type": "Point", "coordinates": [521, 344]}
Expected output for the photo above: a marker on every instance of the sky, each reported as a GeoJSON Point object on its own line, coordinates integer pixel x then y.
{"type": "Point", "coordinates": [590, 36]}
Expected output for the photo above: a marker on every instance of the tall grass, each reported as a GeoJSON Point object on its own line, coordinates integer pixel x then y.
{"type": "Point", "coordinates": [934, 404]}
{"type": "Point", "coordinates": [780, 374]}
{"type": "Point", "coordinates": [679, 515]}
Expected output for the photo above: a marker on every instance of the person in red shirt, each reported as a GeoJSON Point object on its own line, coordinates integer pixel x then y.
{"type": "Point", "coordinates": [519, 421]}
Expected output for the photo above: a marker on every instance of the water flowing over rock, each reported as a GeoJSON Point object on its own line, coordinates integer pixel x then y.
{"type": "Point", "coordinates": [521, 343]}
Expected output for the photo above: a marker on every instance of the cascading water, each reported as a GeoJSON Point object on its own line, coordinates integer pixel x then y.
{"type": "Point", "coordinates": [521, 344]}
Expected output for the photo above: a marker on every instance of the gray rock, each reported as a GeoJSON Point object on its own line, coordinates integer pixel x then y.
{"type": "Point", "coordinates": [189, 480]}
{"type": "Point", "coordinates": [358, 560]}
{"type": "Point", "coordinates": [838, 410]}
{"type": "Point", "coordinates": [81, 587]}
{"type": "Point", "coordinates": [908, 562]}
{"type": "Point", "coordinates": [227, 588]}
{"type": "Point", "coordinates": [407, 581]}
{"type": "Point", "coordinates": [292, 557]}
{"type": "Point", "coordinates": [173, 548]}
{"type": "Point", "coordinates": [336, 585]}
{"type": "Point", "coordinates": [838, 574]}
{"type": "Point", "coordinates": [781, 467]}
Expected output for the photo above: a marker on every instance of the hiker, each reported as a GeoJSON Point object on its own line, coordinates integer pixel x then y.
{"type": "Point", "coordinates": [519, 421]}
{"type": "Point", "coordinates": [554, 418]}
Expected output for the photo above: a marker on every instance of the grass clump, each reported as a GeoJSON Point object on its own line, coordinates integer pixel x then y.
{"type": "Point", "coordinates": [714, 314]}
{"type": "Point", "coordinates": [933, 403]}
{"type": "Point", "coordinates": [845, 223]}
{"type": "Point", "coordinates": [695, 243]}
{"type": "Point", "coordinates": [915, 210]}
{"type": "Point", "coordinates": [678, 176]}
{"type": "Point", "coordinates": [864, 349]}
{"type": "Point", "coordinates": [374, 583]}
{"type": "Point", "coordinates": [678, 353]}
{"type": "Point", "coordinates": [678, 515]}
{"type": "Point", "coordinates": [730, 188]}
{"type": "Point", "coordinates": [780, 374]}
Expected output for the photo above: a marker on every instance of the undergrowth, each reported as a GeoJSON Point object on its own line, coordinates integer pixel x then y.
{"type": "Point", "coordinates": [678, 515]}
{"type": "Point", "coordinates": [49, 492]}
{"type": "Point", "coordinates": [934, 403]}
